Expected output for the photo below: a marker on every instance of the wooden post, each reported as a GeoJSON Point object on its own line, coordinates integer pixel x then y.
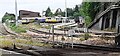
{"type": "Point", "coordinates": [72, 42]}
{"type": "Point", "coordinates": [53, 34]}
{"type": "Point", "coordinates": [49, 32]}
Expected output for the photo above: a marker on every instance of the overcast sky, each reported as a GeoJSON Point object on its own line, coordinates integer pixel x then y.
{"type": "Point", "coordinates": [35, 5]}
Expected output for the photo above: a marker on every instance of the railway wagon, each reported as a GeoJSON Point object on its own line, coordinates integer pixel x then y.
{"type": "Point", "coordinates": [47, 20]}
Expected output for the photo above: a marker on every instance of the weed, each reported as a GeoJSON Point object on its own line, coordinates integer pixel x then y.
{"type": "Point", "coordinates": [82, 38]}
{"type": "Point", "coordinates": [2, 36]}
{"type": "Point", "coordinates": [86, 36]}
{"type": "Point", "coordinates": [6, 43]}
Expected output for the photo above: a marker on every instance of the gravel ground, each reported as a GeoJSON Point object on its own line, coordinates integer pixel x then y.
{"type": "Point", "coordinates": [90, 41]}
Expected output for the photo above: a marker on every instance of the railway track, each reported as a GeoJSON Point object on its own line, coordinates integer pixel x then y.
{"type": "Point", "coordinates": [78, 48]}
{"type": "Point", "coordinates": [3, 31]}
{"type": "Point", "coordinates": [37, 31]}
{"type": "Point", "coordinates": [4, 52]}
{"type": "Point", "coordinates": [76, 45]}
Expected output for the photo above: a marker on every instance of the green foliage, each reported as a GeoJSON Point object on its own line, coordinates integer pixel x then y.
{"type": "Point", "coordinates": [76, 11]}
{"type": "Point", "coordinates": [76, 8]}
{"type": "Point", "coordinates": [48, 12]}
{"type": "Point", "coordinates": [2, 36]}
{"type": "Point", "coordinates": [70, 12]}
{"type": "Point", "coordinates": [17, 29]}
{"type": "Point", "coordinates": [63, 39]}
{"type": "Point", "coordinates": [86, 36]}
{"type": "Point", "coordinates": [6, 43]}
{"type": "Point", "coordinates": [24, 41]}
{"type": "Point", "coordinates": [58, 12]}
{"type": "Point", "coordinates": [47, 27]}
{"type": "Point", "coordinates": [89, 10]}
{"type": "Point", "coordinates": [87, 20]}
{"type": "Point", "coordinates": [63, 14]}
{"type": "Point", "coordinates": [76, 14]}
{"type": "Point", "coordinates": [30, 42]}
{"type": "Point", "coordinates": [82, 38]}
{"type": "Point", "coordinates": [8, 16]}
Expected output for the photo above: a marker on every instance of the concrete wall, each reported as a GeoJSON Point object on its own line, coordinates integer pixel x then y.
{"type": "Point", "coordinates": [97, 26]}
{"type": "Point", "coordinates": [118, 20]}
{"type": "Point", "coordinates": [110, 20]}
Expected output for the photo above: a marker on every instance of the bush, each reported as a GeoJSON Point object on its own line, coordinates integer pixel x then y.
{"type": "Point", "coordinates": [63, 39]}
{"type": "Point", "coordinates": [87, 20]}
{"type": "Point", "coordinates": [82, 39]}
{"type": "Point", "coordinates": [86, 36]}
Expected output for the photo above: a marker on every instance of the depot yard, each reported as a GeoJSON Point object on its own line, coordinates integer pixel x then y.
{"type": "Point", "coordinates": [25, 41]}
{"type": "Point", "coordinates": [90, 40]}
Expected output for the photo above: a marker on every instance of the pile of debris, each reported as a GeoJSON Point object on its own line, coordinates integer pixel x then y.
{"type": "Point", "coordinates": [96, 41]}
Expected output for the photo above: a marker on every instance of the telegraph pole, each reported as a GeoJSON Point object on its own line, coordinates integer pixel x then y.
{"type": "Point", "coordinates": [16, 18]}
{"type": "Point", "coordinates": [65, 9]}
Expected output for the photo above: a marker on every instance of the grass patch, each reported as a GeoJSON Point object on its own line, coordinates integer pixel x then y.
{"type": "Point", "coordinates": [86, 36]}
{"type": "Point", "coordinates": [26, 36]}
{"type": "Point", "coordinates": [24, 41]}
{"type": "Point", "coordinates": [30, 42]}
{"type": "Point", "coordinates": [17, 29]}
{"type": "Point", "coordinates": [6, 43]}
{"type": "Point", "coordinates": [82, 39]}
{"type": "Point", "coordinates": [2, 36]}
{"type": "Point", "coordinates": [31, 25]}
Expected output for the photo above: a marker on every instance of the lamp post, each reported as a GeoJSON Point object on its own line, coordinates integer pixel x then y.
{"type": "Point", "coordinates": [16, 18]}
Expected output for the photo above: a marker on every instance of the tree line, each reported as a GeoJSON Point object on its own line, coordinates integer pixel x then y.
{"type": "Point", "coordinates": [87, 10]}
{"type": "Point", "coordinates": [71, 12]}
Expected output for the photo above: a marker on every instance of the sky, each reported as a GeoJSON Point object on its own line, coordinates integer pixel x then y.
{"type": "Point", "coordinates": [35, 5]}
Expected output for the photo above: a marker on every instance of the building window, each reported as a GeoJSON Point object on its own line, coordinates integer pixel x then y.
{"type": "Point", "coordinates": [25, 14]}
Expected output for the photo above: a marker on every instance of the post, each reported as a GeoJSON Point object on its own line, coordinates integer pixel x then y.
{"type": "Point", "coordinates": [118, 29]}
{"type": "Point", "coordinates": [16, 19]}
{"type": "Point", "coordinates": [49, 33]}
{"type": "Point", "coordinates": [53, 34]}
{"type": "Point", "coordinates": [72, 42]}
{"type": "Point", "coordinates": [72, 33]}
{"type": "Point", "coordinates": [65, 10]}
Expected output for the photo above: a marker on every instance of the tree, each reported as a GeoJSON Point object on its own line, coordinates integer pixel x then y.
{"type": "Point", "coordinates": [8, 16]}
{"type": "Point", "coordinates": [89, 10]}
{"type": "Point", "coordinates": [48, 12]}
{"type": "Point", "coordinates": [63, 14]}
{"type": "Point", "coordinates": [76, 9]}
{"type": "Point", "coordinates": [70, 12]}
{"type": "Point", "coordinates": [58, 12]}
{"type": "Point", "coordinates": [76, 12]}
